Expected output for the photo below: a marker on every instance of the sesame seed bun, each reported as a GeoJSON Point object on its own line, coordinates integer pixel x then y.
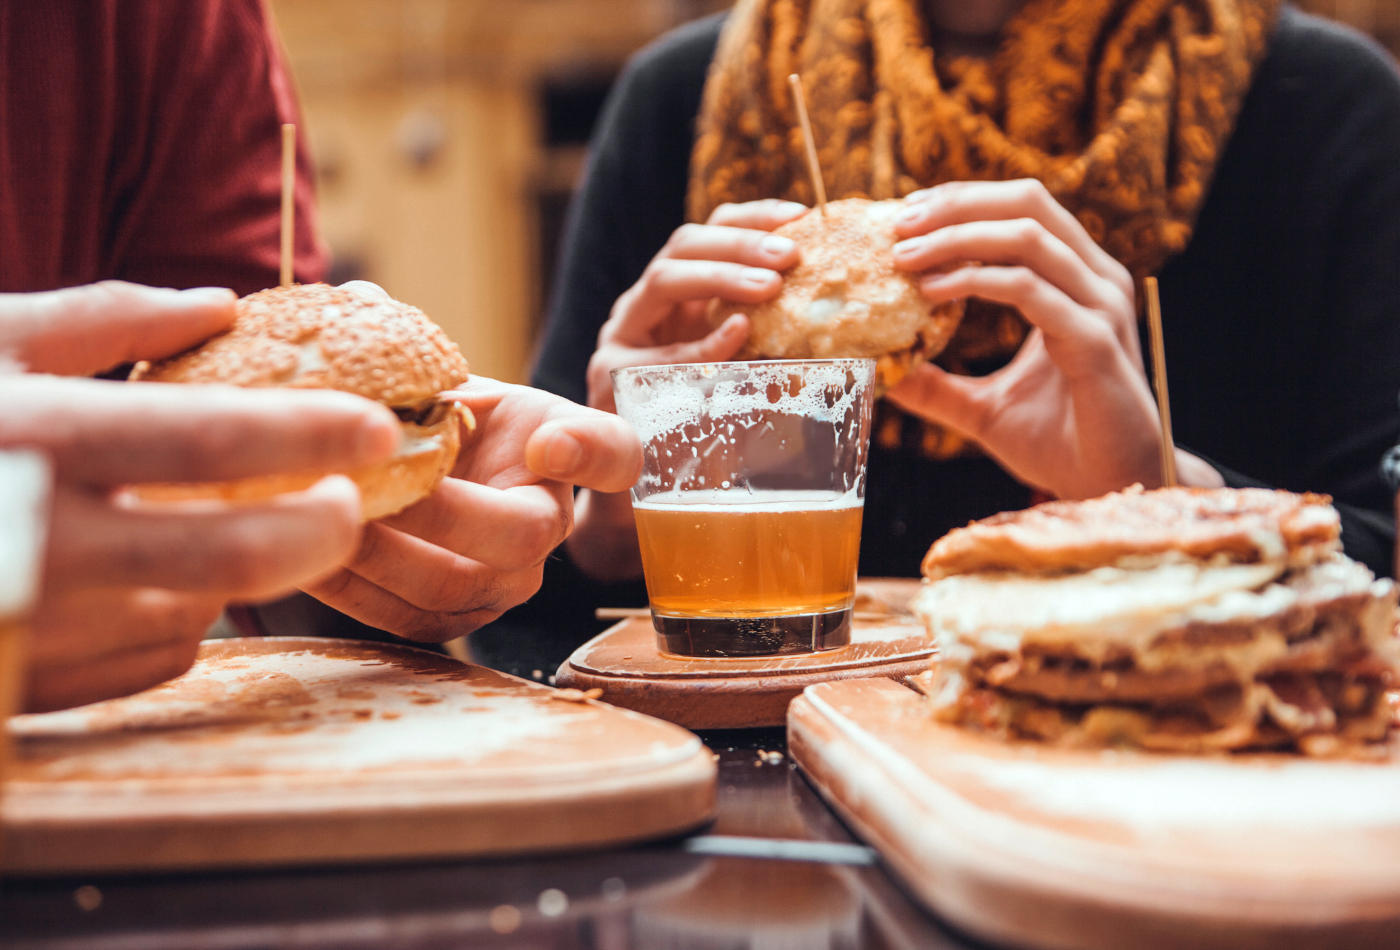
{"type": "Point", "coordinates": [845, 297]}
{"type": "Point", "coordinates": [313, 336]}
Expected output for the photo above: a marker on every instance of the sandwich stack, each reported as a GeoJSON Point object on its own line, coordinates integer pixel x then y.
{"type": "Point", "coordinates": [1176, 620]}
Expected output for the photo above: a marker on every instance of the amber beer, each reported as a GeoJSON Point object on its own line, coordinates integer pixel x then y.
{"type": "Point", "coordinates": [749, 503]}
{"type": "Point", "coordinates": [733, 573]}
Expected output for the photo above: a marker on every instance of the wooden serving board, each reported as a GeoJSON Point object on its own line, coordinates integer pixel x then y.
{"type": "Point", "coordinates": [1044, 848]}
{"type": "Point", "coordinates": [291, 750]}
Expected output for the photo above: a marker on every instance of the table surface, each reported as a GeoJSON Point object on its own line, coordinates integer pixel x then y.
{"type": "Point", "coordinates": [776, 870]}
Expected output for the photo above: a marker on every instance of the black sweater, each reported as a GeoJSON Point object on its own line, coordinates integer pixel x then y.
{"type": "Point", "coordinates": [1282, 316]}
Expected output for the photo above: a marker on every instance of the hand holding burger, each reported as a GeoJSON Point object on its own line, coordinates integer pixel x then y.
{"type": "Point", "coordinates": [1072, 412]}
{"type": "Point", "coordinates": [846, 297]}
{"type": "Point", "coordinates": [477, 545]}
{"type": "Point", "coordinates": [313, 336]}
{"type": "Point", "coordinates": [459, 536]}
{"type": "Point", "coordinates": [663, 317]}
{"type": "Point", "coordinates": [130, 587]}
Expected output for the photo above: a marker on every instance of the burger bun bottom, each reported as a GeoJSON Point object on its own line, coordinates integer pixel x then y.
{"type": "Point", "coordinates": [426, 455]}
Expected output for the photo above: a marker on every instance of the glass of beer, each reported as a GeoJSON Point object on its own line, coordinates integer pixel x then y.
{"type": "Point", "coordinates": [24, 499]}
{"type": "Point", "coordinates": [749, 504]}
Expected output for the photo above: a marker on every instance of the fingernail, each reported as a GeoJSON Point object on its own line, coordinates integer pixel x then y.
{"type": "Point", "coordinates": [788, 207]}
{"type": "Point", "coordinates": [758, 277]}
{"type": "Point", "coordinates": [909, 215]}
{"type": "Point", "coordinates": [775, 245]}
{"type": "Point", "coordinates": [911, 246]}
{"type": "Point", "coordinates": [919, 195]}
{"type": "Point", "coordinates": [563, 456]}
{"type": "Point", "coordinates": [207, 297]}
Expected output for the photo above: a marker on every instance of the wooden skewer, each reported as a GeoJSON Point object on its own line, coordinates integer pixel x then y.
{"type": "Point", "coordinates": [1159, 376]}
{"type": "Point", "coordinates": [813, 167]}
{"type": "Point", "coordinates": [289, 179]}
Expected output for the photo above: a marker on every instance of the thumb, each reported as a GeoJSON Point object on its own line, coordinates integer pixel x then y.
{"type": "Point", "coordinates": [722, 343]}
{"type": "Point", "coordinates": [588, 448]}
{"type": "Point", "coordinates": [84, 330]}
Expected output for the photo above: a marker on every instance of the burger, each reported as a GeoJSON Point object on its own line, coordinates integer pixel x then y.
{"type": "Point", "coordinates": [314, 336]}
{"type": "Point", "coordinates": [845, 297]}
{"type": "Point", "coordinates": [1176, 620]}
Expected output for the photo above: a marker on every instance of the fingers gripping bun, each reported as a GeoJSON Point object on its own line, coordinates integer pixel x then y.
{"type": "Point", "coordinates": [313, 336]}
{"type": "Point", "coordinates": [424, 460]}
{"type": "Point", "coordinates": [845, 297]}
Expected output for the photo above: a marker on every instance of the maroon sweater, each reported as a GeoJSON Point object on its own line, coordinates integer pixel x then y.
{"type": "Point", "coordinates": [139, 139]}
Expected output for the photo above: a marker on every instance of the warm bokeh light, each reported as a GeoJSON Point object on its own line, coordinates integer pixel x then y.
{"type": "Point", "coordinates": [448, 134]}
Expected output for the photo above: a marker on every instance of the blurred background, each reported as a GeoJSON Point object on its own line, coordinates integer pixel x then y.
{"type": "Point", "coordinates": [448, 135]}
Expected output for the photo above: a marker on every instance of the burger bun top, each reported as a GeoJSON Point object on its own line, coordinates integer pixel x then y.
{"type": "Point", "coordinates": [314, 336]}
{"type": "Point", "coordinates": [845, 297]}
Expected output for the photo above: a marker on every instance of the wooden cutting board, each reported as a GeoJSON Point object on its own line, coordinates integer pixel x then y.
{"type": "Point", "coordinates": [290, 750]}
{"type": "Point", "coordinates": [1045, 848]}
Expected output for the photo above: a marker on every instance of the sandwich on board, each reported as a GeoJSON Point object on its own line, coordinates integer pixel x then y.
{"type": "Point", "coordinates": [314, 336]}
{"type": "Point", "coordinates": [845, 298]}
{"type": "Point", "coordinates": [1176, 620]}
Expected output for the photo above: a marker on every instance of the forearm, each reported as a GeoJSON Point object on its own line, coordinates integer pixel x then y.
{"type": "Point", "coordinates": [603, 544]}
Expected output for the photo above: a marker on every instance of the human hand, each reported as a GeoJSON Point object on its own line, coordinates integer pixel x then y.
{"type": "Point", "coordinates": [661, 318]}
{"type": "Point", "coordinates": [477, 545]}
{"type": "Point", "coordinates": [130, 586]}
{"type": "Point", "coordinates": [1072, 412]}
{"type": "Point", "coordinates": [84, 330]}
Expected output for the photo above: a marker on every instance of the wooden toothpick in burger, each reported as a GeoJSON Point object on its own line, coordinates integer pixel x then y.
{"type": "Point", "coordinates": [1159, 376]}
{"type": "Point", "coordinates": [289, 168]}
{"type": "Point", "coordinates": [813, 166]}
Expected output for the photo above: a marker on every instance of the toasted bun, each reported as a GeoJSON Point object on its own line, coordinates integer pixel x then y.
{"type": "Point", "coordinates": [1246, 525]}
{"type": "Point", "coordinates": [845, 297]}
{"type": "Point", "coordinates": [313, 336]}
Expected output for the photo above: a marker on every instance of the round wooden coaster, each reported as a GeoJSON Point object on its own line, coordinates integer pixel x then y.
{"type": "Point", "coordinates": [708, 693]}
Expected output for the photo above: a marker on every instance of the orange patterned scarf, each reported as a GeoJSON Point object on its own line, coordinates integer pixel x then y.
{"type": "Point", "coordinates": [1121, 107]}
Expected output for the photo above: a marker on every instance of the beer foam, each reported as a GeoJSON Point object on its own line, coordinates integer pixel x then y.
{"type": "Point", "coordinates": [657, 400]}
{"type": "Point", "coordinates": [24, 496]}
{"type": "Point", "coordinates": [751, 500]}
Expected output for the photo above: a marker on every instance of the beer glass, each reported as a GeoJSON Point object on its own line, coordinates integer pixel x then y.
{"type": "Point", "coordinates": [749, 505]}
{"type": "Point", "coordinates": [24, 495]}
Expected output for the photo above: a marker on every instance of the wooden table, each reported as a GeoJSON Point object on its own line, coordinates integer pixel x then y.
{"type": "Point", "coordinates": [776, 866]}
